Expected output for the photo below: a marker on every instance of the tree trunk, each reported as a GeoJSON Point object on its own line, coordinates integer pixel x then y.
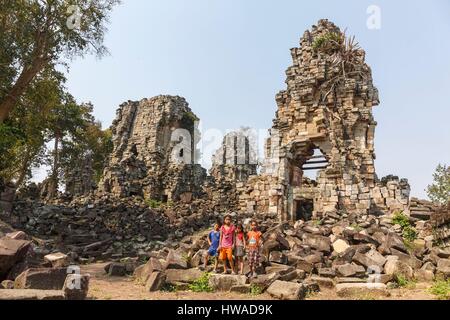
{"type": "Point", "coordinates": [23, 169]}
{"type": "Point", "coordinates": [25, 78]}
{"type": "Point", "coordinates": [53, 187]}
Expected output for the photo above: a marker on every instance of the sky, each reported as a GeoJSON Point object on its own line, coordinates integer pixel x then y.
{"type": "Point", "coordinates": [228, 59]}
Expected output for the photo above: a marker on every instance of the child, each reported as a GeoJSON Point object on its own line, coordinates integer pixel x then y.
{"type": "Point", "coordinates": [227, 242]}
{"type": "Point", "coordinates": [254, 243]}
{"type": "Point", "coordinates": [213, 241]}
{"type": "Point", "coordinates": [240, 248]}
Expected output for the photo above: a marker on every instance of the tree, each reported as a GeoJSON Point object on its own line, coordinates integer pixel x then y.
{"type": "Point", "coordinates": [35, 34]}
{"type": "Point", "coordinates": [439, 191]}
{"type": "Point", "coordinates": [67, 121]}
{"type": "Point", "coordinates": [24, 134]}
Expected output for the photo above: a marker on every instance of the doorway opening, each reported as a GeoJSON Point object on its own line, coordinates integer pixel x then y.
{"type": "Point", "coordinates": [304, 209]}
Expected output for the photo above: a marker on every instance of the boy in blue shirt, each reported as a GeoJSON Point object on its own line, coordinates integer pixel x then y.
{"type": "Point", "coordinates": [213, 241]}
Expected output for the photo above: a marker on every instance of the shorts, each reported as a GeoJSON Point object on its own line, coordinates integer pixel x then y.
{"type": "Point", "coordinates": [226, 254]}
{"type": "Point", "coordinates": [212, 252]}
{"type": "Point", "coordinates": [253, 257]}
{"type": "Point", "coordinates": [239, 251]}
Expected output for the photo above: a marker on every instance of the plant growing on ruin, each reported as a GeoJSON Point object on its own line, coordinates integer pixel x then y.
{"type": "Point", "coordinates": [153, 203]}
{"type": "Point", "coordinates": [439, 190]}
{"type": "Point", "coordinates": [329, 42]}
{"type": "Point", "coordinates": [344, 56]}
{"type": "Point", "coordinates": [441, 289]}
{"type": "Point", "coordinates": [403, 282]}
{"type": "Point", "coordinates": [201, 284]}
{"type": "Point", "coordinates": [409, 233]}
{"type": "Point", "coordinates": [255, 290]}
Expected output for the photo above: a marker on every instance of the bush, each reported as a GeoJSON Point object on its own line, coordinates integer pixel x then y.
{"type": "Point", "coordinates": [327, 42]}
{"type": "Point", "coordinates": [441, 289]}
{"type": "Point", "coordinates": [255, 290]}
{"type": "Point", "coordinates": [201, 284]}
{"type": "Point", "coordinates": [403, 282]}
{"type": "Point", "coordinates": [408, 232]}
{"type": "Point", "coordinates": [154, 204]}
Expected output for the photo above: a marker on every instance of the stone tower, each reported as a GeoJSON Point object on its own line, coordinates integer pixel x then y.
{"type": "Point", "coordinates": [154, 151]}
{"type": "Point", "coordinates": [324, 122]}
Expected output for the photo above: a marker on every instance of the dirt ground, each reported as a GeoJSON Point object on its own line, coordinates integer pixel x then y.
{"type": "Point", "coordinates": [103, 287]}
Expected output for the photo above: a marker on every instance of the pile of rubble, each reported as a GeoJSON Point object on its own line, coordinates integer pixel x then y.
{"type": "Point", "coordinates": [92, 228]}
{"type": "Point", "coordinates": [27, 275]}
{"type": "Point", "coordinates": [353, 254]}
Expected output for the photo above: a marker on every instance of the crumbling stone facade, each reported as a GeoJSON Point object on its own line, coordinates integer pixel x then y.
{"type": "Point", "coordinates": [324, 121]}
{"type": "Point", "coordinates": [236, 159]}
{"type": "Point", "coordinates": [79, 181]}
{"type": "Point", "coordinates": [154, 151]}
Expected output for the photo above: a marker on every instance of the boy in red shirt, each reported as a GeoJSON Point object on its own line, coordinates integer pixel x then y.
{"type": "Point", "coordinates": [254, 243]}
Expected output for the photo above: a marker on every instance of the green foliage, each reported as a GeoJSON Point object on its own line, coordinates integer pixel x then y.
{"type": "Point", "coordinates": [403, 282]}
{"type": "Point", "coordinates": [191, 116]}
{"type": "Point", "coordinates": [317, 222]}
{"type": "Point", "coordinates": [169, 288]}
{"type": "Point", "coordinates": [356, 226]}
{"type": "Point", "coordinates": [401, 219]}
{"type": "Point", "coordinates": [255, 290]}
{"type": "Point", "coordinates": [441, 289]}
{"type": "Point", "coordinates": [409, 233]}
{"type": "Point", "coordinates": [35, 35]}
{"type": "Point", "coordinates": [201, 284]}
{"type": "Point", "coordinates": [439, 190]}
{"type": "Point", "coordinates": [154, 204]}
{"type": "Point", "coordinates": [328, 42]}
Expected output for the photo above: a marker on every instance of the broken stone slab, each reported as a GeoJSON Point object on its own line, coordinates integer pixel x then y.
{"type": "Point", "coordinates": [57, 260]}
{"type": "Point", "coordinates": [339, 246]}
{"type": "Point", "coordinates": [224, 282]}
{"type": "Point", "coordinates": [244, 289]}
{"type": "Point", "coordinates": [443, 268]}
{"type": "Point", "coordinates": [372, 259]}
{"type": "Point", "coordinates": [17, 235]}
{"type": "Point", "coordinates": [380, 278]}
{"type": "Point", "coordinates": [392, 241]}
{"type": "Point", "coordinates": [424, 275]}
{"type": "Point", "coordinates": [317, 242]}
{"type": "Point", "coordinates": [290, 276]}
{"type": "Point", "coordinates": [41, 279]}
{"type": "Point", "coordinates": [350, 270]}
{"type": "Point", "coordinates": [179, 275]}
{"type": "Point", "coordinates": [305, 266]}
{"type": "Point", "coordinates": [395, 267]}
{"type": "Point", "coordinates": [264, 280]}
{"type": "Point", "coordinates": [156, 281]}
{"type": "Point", "coordinates": [278, 268]}
{"type": "Point", "coordinates": [358, 290]}
{"type": "Point", "coordinates": [322, 281]}
{"type": "Point", "coordinates": [175, 260]}
{"type": "Point", "coordinates": [11, 252]}
{"type": "Point", "coordinates": [409, 259]}
{"type": "Point", "coordinates": [284, 290]}
{"type": "Point", "coordinates": [76, 286]}
{"type": "Point", "coordinates": [116, 269]}
{"type": "Point", "coordinates": [278, 257]}
{"type": "Point", "coordinates": [326, 272]}
{"type": "Point", "coordinates": [143, 272]}
{"type": "Point", "coordinates": [31, 294]}
{"type": "Point", "coordinates": [350, 280]}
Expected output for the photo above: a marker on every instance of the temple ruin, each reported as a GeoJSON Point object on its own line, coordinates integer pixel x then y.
{"type": "Point", "coordinates": [324, 121]}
